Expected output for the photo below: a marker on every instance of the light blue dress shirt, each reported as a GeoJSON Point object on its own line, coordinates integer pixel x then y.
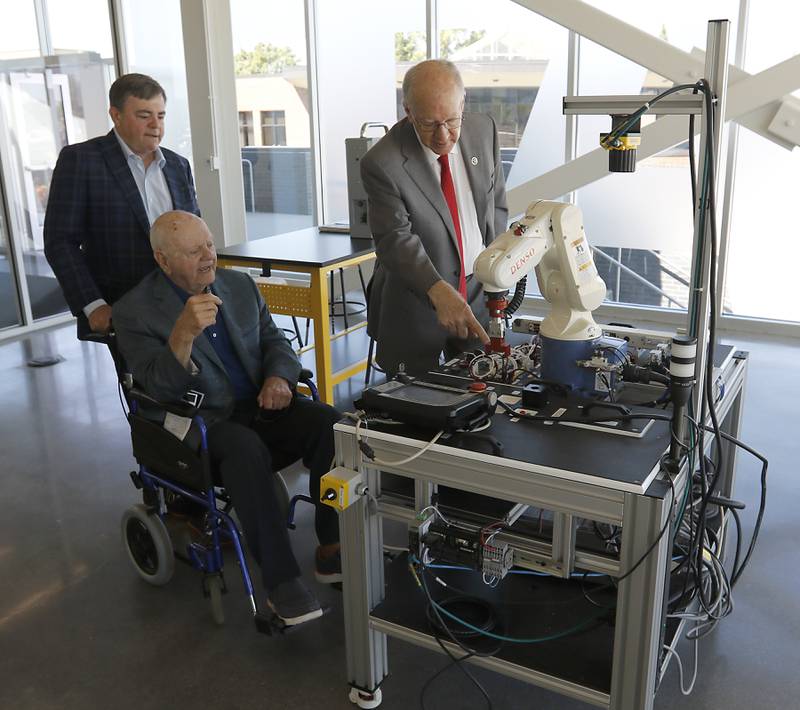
{"type": "Point", "coordinates": [151, 181]}
{"type": "Point", "coordinates": [153, 188]}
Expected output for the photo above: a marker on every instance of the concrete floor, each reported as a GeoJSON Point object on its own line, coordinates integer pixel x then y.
{"type": "Point", "coordinates": [79, 630]}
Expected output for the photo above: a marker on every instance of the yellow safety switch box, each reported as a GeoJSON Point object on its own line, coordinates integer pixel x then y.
{"type": "Point", "coordinates": [340, 487]}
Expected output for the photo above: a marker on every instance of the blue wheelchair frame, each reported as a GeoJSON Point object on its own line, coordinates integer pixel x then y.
{"type": "Point", "coordinates": [206, 557]}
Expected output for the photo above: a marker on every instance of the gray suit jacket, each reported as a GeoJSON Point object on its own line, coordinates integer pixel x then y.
{"type": "Point", "coordinates": [143, 320]}
{"type": "Point", "coordinates": [415, 239]}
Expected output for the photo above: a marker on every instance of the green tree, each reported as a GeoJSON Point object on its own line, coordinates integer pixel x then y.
{"type": "Point", "coordinates": [410, 46]}
{"type": "Point", "coordinates": [264, 59]}
{"type": "Point", "coordinates": [450, 41]}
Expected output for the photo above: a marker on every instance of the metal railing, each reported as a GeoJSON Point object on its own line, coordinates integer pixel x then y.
{"type": "Point", "coordinates": [638, 277]}
{"type": "Point", "coordinates": [249, 165]}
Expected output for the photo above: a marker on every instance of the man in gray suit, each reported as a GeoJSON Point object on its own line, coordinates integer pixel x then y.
{"type": "Point", "coordinates": [185, 326]}
{"type": "Point", "coordinates": [436, 199]}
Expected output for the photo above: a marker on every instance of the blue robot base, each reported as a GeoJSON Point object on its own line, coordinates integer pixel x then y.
{"type": "Point", "coordinates": [560, 362]}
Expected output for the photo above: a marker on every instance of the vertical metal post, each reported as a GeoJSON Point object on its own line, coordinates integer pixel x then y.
{"type": "Point", "coordinates": [361, 534]}
{"type": "Point", "coordinates": [564, 529]}
{"type": "Point", "coordinates": [716, 73]}
{"type": "Point", "coordinates": [732, 424]}
{"type": "Point", "coordinates": [117, 18]}
{"type": "Point", "coordinates": [573, 87]}
{"type": "Point", "coordinates": [43, 27]}
{"type": "Point", "coordinates": [318, 207]}
{"type": "Point", "coordinates": [432, 28]}
{"type": "Point", "coordinates": [423, 491]}
{"type": "Point", "coordinates": [640, 600]}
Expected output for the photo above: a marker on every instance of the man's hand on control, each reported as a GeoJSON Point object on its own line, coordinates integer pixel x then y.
{"type": "Point", "coordinates": [199, 312]}
{"type": "Point", "coordinates": [100, 319]}
{"type": "Point", "coordinates": [454, 312]}
{"type": "Point", "coordinates": [275, 394]}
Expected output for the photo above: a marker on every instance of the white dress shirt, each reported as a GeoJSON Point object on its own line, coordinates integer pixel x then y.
{"type": "Point", "coordinates": [471, 237]}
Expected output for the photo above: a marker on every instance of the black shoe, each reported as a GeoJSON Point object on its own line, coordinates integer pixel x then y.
{"type": "Point", "coordinates": [294, 603]}
{"type": "Point", "coordinates": [328, 570]}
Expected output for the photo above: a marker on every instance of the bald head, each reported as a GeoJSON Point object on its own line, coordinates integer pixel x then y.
{"type": "Point", "coordinates": [183, 247]}
{"type": "Point", "coordinates": [433, 97]}
{"type": "Point", "coordinates": [165, 229]}
{"type": "Point", "coordinates": [433, 77]}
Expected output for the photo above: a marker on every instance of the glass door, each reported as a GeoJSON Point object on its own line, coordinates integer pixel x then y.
{"type": "Point", "coordinates": [55, 70]}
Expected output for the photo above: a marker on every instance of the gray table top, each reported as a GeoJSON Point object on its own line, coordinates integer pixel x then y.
{"type": "Point", "coordinates": [305, 247]}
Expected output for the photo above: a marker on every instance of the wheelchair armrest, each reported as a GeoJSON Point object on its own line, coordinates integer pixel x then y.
{"type": "Point", "coordinates": [180, 410]}
{"type": "Point", "coordinates": [306, 378]}
{"type": "Point", "coordinates": [102, 338]}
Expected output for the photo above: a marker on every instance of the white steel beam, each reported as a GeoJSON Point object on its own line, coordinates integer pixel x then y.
{"type": "Point", "coordinates": [759, 102]}
{"type": "Point", "coordinates": [744, 102]}
{"type": "Point", "coordinates": [620, 37]}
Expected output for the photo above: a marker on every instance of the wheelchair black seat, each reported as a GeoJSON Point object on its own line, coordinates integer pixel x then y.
{"type": "Point", "coordinates": [159, 450]}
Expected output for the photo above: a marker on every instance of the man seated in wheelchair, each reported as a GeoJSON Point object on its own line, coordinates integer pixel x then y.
{"type": "Point", "coordinates": [188, 327]}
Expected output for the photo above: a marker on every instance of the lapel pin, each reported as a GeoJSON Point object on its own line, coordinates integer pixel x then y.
{"type": "Point", "coordinates": [474, 160]}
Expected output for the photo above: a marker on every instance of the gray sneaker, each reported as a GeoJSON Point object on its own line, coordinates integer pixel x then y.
{"type": "Point", "coordinates": [294, 603]}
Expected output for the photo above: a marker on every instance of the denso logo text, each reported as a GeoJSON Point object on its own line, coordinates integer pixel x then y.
{"type": "Point", "coordinates": [519, 263]}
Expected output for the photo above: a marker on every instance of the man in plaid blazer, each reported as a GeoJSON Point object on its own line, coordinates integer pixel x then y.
{"type": "Point", "coordinates": [104, 196]}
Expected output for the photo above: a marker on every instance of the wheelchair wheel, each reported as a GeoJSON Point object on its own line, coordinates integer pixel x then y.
{"type": "Point", "coordinates": [148, 545]}
{"type": "Point", "coordinates": [214, 586]}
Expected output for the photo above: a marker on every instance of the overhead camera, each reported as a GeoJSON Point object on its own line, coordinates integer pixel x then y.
{"type": "Point", "coordinates": [621, 143]}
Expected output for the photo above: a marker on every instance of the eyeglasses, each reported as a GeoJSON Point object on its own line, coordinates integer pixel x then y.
{"type": "Point", "coordinates": [451, 124]}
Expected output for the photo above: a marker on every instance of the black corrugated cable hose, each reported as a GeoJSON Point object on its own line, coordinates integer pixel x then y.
{"type": "Point", "coordinates": [519, 295]}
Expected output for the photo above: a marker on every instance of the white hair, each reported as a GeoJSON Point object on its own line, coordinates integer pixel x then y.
{"type": "Point", "coordinates": [411, 78]}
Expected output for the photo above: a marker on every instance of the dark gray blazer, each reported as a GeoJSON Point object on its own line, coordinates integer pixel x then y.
{"type": "Point", "coordinates": [144, 318]}
{"type": "Point", "coordinates": [415, 240]}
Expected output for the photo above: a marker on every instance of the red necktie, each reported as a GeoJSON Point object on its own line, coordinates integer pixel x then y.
{"type": "Point", "coordinates": [449, 190]}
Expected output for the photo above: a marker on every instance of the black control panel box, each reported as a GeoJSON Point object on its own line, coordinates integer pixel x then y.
{"type": "Point", "coordinates": [428, 406]}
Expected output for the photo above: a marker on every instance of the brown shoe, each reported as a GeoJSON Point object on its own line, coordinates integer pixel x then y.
{"type": "Point", "coordinates": [328, 566]}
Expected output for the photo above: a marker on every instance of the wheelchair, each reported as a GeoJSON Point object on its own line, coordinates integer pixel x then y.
{"type": "Point", "coordinates": [173, 472]}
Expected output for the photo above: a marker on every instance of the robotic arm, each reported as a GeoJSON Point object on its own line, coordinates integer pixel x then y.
{"type": "Point", "coordinates": [551, 240]}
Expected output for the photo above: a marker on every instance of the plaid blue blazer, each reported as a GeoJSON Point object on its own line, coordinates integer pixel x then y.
{"type": "Point", "coordinates": [96, 231]}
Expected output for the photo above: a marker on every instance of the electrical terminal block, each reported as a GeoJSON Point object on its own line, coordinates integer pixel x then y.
{"type": "Point", "coordinates": [418, 531]}
{"type": "Point", "coordinates": [496, 559]}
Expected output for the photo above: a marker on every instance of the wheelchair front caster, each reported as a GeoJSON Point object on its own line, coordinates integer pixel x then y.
{"type": "Point", "coordinates": [148, 544]}
{"type": "Point", "coordinates": [364, 699]}
{"type": "Point", "coordinates": [214, 588]}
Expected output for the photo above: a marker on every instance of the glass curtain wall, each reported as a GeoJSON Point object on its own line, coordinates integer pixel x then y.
{"type": "Point", "coordinates": [53, 92]}
{"type": "Point", "coordinates": [269, 44]}
{"type": "Point", "coordinates": [514, 66]}
{"type": "Point", "coordinates": [156, 49]}
{"type": "Point", "coordinates": [10, 314]}
{"type": "Point", "coordinates": [643, 251]}
{"type": "Point", "coordinates": [362, 56]}
{"type": "Point", "coordinates": [761, 270]}
{"type": "Point", "coordinates": [18, 39]}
